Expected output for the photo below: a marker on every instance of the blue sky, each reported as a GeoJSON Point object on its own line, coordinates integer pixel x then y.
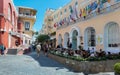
{"type": "Point", "coordinates": [41, 6]}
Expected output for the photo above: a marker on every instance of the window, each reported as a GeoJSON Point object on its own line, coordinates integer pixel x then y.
{"type": "Point", "coordinates": [9, 13]}
{"type": "Point", "coordinates": [13, 19]}
{"type": "Point", "coordinates": [29, 42]}
{"type": "Point", "coordinates": [91, 37]}
{"type": "Point", "coordinates": [113, 37]}
{"type": "Point", "coordinates": [27, 12]}
{"type": "Point", "coordinates": [117, 0]}
{"type": "Point", "coordinates": [70, 8]}
{"type": "Point", "coordinates": [76, 3]}
{"type": "Point", "coordinates": [25, 41]}
{"type": "Point", "coordinates": [27, 25]}
{"type": "Point", "coordinates": [65, 10]}
{"type": "Point", "coordinates": [61, 13]}
{"type": "Point", "coordinates": [54, 16]}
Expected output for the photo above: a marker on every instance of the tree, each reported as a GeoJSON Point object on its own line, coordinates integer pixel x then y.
{"type": "Point", "coordinates": [42, 38]}
{"type": "Point", "coordinates": [36, 33]}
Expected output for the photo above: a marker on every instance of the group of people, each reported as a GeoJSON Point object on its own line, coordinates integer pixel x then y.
{"type": "Point", "coordinates": [45, 47]}
{"type": "Point", "coordinates": [80, 53]}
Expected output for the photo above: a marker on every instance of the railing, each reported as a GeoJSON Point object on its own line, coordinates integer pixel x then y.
{"type": "Point", "coordinates": [93, 14]}
{"type": "Point", "coordinates": [27, 16]}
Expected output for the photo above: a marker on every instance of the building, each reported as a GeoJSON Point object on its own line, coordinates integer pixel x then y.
{"type": "Point", "coordinates": [14, 25]}
{"type": "Point", "coordinates": [8, 23]}
{"type": "Point", "coordinates": [93, 24]}
{"type": "Point", "coordinates": [27, 17]}
{"type": "Point", "coordinates": [47, 27]}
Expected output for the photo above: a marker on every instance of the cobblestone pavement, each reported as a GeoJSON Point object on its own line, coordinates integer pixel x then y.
{"type": "Point", "coordinates": [31, 65]}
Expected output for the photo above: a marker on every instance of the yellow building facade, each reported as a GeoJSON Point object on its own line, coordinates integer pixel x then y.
{"type": "Point", "coordinates": [27, 16]}
{"type": "Point", "coordinates": [93, 24]}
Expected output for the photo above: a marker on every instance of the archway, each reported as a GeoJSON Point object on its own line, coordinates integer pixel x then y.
{"type": "Point", "coordinates": [90, 38]}
{"type": "Point", "coordinates": [112, 37]}
{"type": "Point", "coordinates": [74, 39]}
{"type": "Point", "coordinates": [66, 37]}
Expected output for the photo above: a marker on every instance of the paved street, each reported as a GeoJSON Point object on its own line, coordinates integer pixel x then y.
{"type": "Point", "coordinates": [31, 65]}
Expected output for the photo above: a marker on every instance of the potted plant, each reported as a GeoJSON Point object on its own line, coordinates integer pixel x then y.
{"type": "Point", "coordinates": [117, 68]}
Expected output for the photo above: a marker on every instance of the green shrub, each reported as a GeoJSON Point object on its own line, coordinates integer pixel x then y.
{"type": "Point", "coordinates": [112, 57]}
{"type": "Point", "coordinates": [117, 68]}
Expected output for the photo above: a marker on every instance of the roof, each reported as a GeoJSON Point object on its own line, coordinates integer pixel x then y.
{"type": "Point", "coordinates": [27, 8]}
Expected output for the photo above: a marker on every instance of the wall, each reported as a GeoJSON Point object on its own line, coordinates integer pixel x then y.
{"type": "Point", "coordinates": [1, 6]}
{"type": "Point", "coordinates": [97, 22]}
{"type": "Point", "coordinates": [87, 66]}
{"type": "Point", "coordinates": [6, 24]}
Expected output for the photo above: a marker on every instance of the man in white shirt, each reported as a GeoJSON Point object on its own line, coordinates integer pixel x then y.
{"type": "Point", "coordinates": [38, 48]}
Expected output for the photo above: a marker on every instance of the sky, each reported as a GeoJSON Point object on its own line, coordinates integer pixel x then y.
{"type": "Point", "coordinates": [41, 6]}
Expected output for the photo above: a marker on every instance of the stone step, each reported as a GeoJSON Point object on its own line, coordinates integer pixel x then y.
{"type": "Point", "coordinates": [12, 51]}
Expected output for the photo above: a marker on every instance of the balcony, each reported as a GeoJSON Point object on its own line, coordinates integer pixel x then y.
{"type": "Point", "coordinates": [27, 16]}
{"type": "Point", "coordinates": [106, 10]}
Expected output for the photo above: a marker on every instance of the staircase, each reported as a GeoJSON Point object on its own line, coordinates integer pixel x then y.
{"type": "Point", "coordinates": [12, 51]}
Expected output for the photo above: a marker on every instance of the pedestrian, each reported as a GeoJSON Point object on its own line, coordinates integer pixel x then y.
{"type": "Point", "coordinates": [2, 48]}
{"type": "Point", "coordinates": [46, 49]}
{"type": "Point", "coordinates": [70, 46]}
{"type": "Point", "coordinates": [38, 48]}
{"type": "Point", "coordinates": [92, 51]}
{"type": "Point", "coordinates": [34, 47]}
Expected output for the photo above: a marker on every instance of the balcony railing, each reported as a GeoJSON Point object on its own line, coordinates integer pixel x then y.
{"type": "Point", "coordinates": [27, 16]}
{"type": "Point", "coordinates": [106, 10]}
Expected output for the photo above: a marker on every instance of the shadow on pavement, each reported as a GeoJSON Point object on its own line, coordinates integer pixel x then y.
{"type": "Point", "coordinates": [45, 61]}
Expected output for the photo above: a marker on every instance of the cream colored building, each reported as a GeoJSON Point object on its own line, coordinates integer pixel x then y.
{"type": "Point", "coordinates": [28, 17]}
{"type": "Point", "coordinates": [90, 23]}
{"type": "Point", "coordinates": [47, 27]}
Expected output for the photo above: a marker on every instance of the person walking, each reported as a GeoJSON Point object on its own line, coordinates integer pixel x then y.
{"type": "Point", "coordinates": [45, 49]}
{"type": "Point", "coordinates": [2, 48]}
{"type": "Point", "coordinates": [38, 48]}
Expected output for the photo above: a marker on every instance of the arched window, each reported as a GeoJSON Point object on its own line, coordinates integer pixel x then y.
{"type": "Point", "coordinates": [9, 13]}
{"type": "Point", "coordinates": [70, 8]}
{"type": "Point", "coordinates": [66, 40]}
{"type": "Point", "coordinates": [59, 39]}
{"type": "Point", "coordinates": [74, 39]}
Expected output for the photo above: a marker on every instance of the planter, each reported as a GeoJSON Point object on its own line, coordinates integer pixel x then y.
{"type": "Point", "coordinates": [86, 66]}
